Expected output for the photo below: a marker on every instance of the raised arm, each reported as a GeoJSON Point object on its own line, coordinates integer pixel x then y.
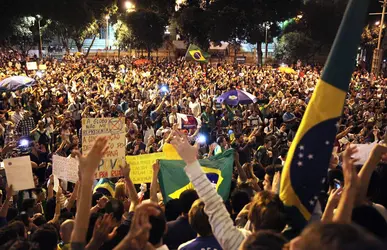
{"type": "Point", "coordinates": [222, 225]}
{"type": "Point", "coordinates": [367, 170]}
{"type": "Point", "coordinates": [87, 167]}
{"type": "Point", "coordinates": [347, 201]}
{"type": "Point", "coordinates": [73, 197]}
{"type": "Point", "coordinates": [4, 208]}
{"type": "Point", "coordinates": [134, 201]}
{"type": "Point", "coordinates": [241, 172]}
{"type": "Point", "coordinates": [154, 184]}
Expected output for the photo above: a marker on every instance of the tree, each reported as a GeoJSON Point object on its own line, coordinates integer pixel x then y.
{"type": "Point", "coordinates": [194, 23]}
{"type": "Point", "coordinates": [293, 46]}
{"type": "Point", "coordinates": [123, 35]}
{"type": "Point", "coordinates": [147, 29]}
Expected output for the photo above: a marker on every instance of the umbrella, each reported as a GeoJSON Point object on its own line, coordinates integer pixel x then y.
{"type": "Point", "coordinates": [139, 62]}
{"type": "Point", "coordinates": [287, 70]}
{"type": "Point", "coordinates": [235, 97]}
{"type": "Point", "coordinates": [14, 83]}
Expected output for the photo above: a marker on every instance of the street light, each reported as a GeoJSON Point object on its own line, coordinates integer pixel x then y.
{"type": "Point", "coordinates": [129, 6]}
{"type": "Point", "coordinates": [378, 52]}
{"type": "Point", "coordinates": [39, 17]}
{"type": "Point", "coordinates": [267, 27]}
{"type": "Point", "coordinates": [377, 23]}
{"type": "Point", "coordinates": [107, 17]}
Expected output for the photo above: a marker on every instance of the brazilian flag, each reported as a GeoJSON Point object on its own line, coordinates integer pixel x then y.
{"type": "Point", "coordinates": [105, 186]}
{"type": "Point", "coordinates": [309, 155]}
{"type": "Point", "coordinates": [196, 54]}
{"type": "Point", "coordinates": [173, 179]}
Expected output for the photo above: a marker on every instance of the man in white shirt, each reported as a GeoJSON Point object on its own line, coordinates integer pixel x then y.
{"type": "Point", "coordinates": [17, 115]}
{"type": "Point", "coordinates": [195, 107]}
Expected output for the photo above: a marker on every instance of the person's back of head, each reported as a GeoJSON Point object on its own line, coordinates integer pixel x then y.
{"type": "Point", "coordinates": [370, 219]}
{"type": "Point", "coordinates": [39, 220]}
{"type": "Point", "coordinates": [116, 207]}
{"type": "Point", "coordinates": [14, 230]}
{"type": "Point", "coordinates": [172, 209]}
{"type": "Point", "coordinates": [159, 228]}
{"type": "Point", "coordinates": [239, 199]}
{"type": "Point", "coordinates": [187, 198]}
{"type": "Point", "coordinates": [334, 236]}
{"type": "Point", "coordinates": [65, 230]}
{"type": "Point", "coordinates": [20, 244]}
{"type": "Point", "coordinates": [198, 219]}
{"type": "Point", "coordinates": [46, 237]}
{"type": "Point", "coordinates": [267, 212]}
{"type": "Point", "coordinates": [264, 240]}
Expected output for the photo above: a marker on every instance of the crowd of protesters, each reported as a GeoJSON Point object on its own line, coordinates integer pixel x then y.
{"type": "Point", "coordinates": [350, 213]}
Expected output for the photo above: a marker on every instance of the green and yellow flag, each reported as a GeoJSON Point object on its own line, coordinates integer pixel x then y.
{"type": "Point", "coordinates": [173, 179]}
{"type": "Point", "coordinates": [309, 155]}
{"type": "Point", "coordinates": [196, 54]}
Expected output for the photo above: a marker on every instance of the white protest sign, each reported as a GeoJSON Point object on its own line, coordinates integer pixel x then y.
{"type": "Point", "coordinates": [19, 173]}
{"type": "Point", "coordinates": [65, 168]}
{"type": "Point", "coordinates": [364, 152]}
{"type": "Point", "coordinates": [32, 66]}
{"type": "Point", "coordinates": [187, 121]}
{"type": "Point", "coordinates": [114, 129]}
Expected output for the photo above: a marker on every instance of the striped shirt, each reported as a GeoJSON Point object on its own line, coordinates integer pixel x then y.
{"type": "Point", "coordinates": [228, 236]}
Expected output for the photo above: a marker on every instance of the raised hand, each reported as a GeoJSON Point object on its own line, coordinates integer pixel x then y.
{"type": "Point", "coordinates": [156, 167]}
{"type": "Point", "coordinates": [187, 152]}
{"type": "Point", "coordinates": [101, 203]}
{"type": "Point", "coordinates": [89, 163]}
{"type": "Point", "coordinates": [125, 171]}
{"type": "Point", "coordinates": [334, 197]}
{"type": "Point", "coordinates": [276, 182]}
{"type": "Point", "coordinates": [103, 228]}
{"type": "Point", "coordinates": [349, 170]}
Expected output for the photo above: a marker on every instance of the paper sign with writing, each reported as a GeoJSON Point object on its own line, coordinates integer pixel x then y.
{"type": "Point", "coordinates": [141, 167]}
{"type": "Point", "coordinates": [19, 173]}
{"type": "Point", "coordinates": [65, 168]}
{"type": "Point", "coordinates": [363, 153]}
{"type": "Point", "coordinates": [114, 129]}
{"type": "Point", "coordinates": [32, 66]}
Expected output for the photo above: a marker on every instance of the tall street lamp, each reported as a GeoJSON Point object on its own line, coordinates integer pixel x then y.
{"type": "Point", "coordinates": [378, 52]}
{"type": "Point", "coordinates": [129, 6]}
{"type": "Point", "coordinates": [267, 27]}
{"type": "Point", "coordinates": [39, 17]}
{"type": "Point", "coordinates": [107, 17]}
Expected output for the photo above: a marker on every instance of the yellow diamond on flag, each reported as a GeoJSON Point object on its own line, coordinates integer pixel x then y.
{"type": "Point", "coordinates": [197, 55]}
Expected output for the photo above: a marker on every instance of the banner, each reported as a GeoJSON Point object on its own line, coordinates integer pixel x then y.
{"type": "Point", "coordinates": [187, 121]}
{"type": "Point", "coordinates": [19, 173]}
{"type": "Point", "coordinates": [141, 165]}
{"type": "Point", "coordinates": [65, 168]}
{"type": "Point", "coordinates": [114, 129]}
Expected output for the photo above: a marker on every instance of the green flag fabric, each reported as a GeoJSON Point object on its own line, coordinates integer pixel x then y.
{"type": "Point", "coordinates": [197, 54]}
{"type": "Point", "coordinates": [173, 179]}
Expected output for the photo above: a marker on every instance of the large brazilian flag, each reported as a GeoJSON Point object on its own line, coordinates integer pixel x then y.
{"type": "Point", "coordinates": [173, 179]}
{"type": "Point", "coordinates": [309, 155]}
{"type": "Point", "coordinates": [195, 53]}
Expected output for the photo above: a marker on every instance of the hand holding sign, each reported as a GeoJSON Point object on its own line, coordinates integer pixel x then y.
{"type": "Point", "coordinates": [89, 164]}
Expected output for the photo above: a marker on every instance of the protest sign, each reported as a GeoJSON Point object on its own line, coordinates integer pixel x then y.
{"type": "Point", "coordinates": [42, 67]}
{"type": "Point", "coordinates": [141, 167]}
{"type": "Point", "coordinates": [363, 153]}
{"type": "Point", "coordinates": [114, 129]}
{"type": "Point", "coordinates": [19, 173]}
{"type": "Point", "coordinates": [187, 121]}
{"type": "Point", "coordinates": [65, 168]}
{"type": "Point", "coordinates": [32, 66]}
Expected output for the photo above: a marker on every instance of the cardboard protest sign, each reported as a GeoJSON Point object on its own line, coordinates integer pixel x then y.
{"type": "Point", "coordinates": [114, 129]}
{"type": "Point", "coordinates": [19, 173]}
{"type": "Point", "coordinates": [364, 152]}
{"type": "Point", "coordinates": [141, 167]}
{"type": "Point", "coordinates": [65, 168]}
{"type": "Point", "coordinates": [32, 66]}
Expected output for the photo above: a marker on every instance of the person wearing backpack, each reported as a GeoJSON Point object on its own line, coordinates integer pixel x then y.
{"type": "Point", "coordinates": [40, 134]}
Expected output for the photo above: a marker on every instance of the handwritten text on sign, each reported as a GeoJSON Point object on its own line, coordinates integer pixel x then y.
{"type": "Point", "coordinates": [65, 168]}
{"type": "Point", "coordinates": [114, 130]}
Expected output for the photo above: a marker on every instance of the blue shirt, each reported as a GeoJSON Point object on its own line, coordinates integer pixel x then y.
{"type": "Point", "coordinates": [206, 243]}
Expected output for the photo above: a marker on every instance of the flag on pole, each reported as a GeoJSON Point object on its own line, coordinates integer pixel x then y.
{"type": "Point", "coordinates": [309, 155]}
{"type": "Point", "coordinates": [173, 179]}
{"type": "Point", "coordinates": [196, 54]}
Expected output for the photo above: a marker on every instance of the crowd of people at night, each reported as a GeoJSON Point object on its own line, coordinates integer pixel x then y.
{"type": "Point", "coordinates": [149, 96]}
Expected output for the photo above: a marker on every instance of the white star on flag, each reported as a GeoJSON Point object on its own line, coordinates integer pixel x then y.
{"type": "Point", "coordinates": [310, 157]}
{"type": "Point", "coordinates": [326, 142]}
{"type": "Point", "coordinates": [301, 147]}
{"type": "Point", "coordinates": [323, 180]}
{"type": "Point", "coordinates": [299, 163]}
{"type": "Point", "coordinates": [300, 155]}
{"type": "Point", "coordinates": [311, 202]}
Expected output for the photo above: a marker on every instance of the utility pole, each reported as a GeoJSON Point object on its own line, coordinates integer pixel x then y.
{"type": "Point", "coordinates": [40, 38]}
{"type": "Point", "coordinates": [378, 52]}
